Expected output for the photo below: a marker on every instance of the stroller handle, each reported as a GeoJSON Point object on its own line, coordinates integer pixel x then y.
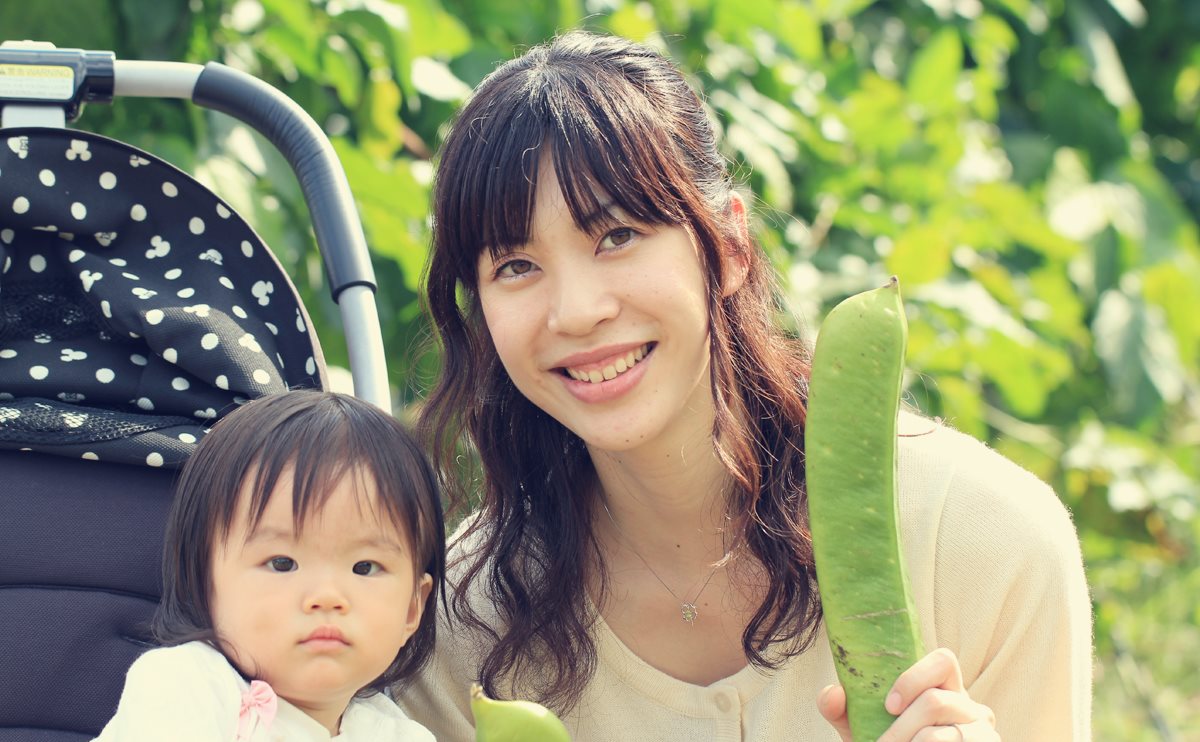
{"type": "Point", "coordinates": [322, 180]}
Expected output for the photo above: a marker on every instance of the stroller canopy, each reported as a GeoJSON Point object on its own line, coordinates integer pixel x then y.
{"type": "Point", "coordinates": [135, 305]}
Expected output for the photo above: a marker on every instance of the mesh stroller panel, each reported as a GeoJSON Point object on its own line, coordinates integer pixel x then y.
{"type": "Point", "coordinates": [135, 309]}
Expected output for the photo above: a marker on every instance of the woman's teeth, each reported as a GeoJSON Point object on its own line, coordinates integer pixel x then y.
{"type": "Point", "coordinates": [612, 370]}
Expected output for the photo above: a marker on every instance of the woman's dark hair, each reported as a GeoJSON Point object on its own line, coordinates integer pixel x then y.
{"type": "Point", "coordinates": [619, 123]}
{"type": "Point", "coordinates": [320, 437]}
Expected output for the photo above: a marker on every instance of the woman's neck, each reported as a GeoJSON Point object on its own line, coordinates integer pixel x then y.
{"type": "Point", "coordinates": [668, 506]}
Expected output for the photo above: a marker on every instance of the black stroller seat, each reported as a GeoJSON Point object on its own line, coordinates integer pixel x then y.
{"type": "Point", "coordinates": [136, 308]}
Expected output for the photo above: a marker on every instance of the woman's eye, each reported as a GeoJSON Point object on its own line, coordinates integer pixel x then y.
{"type": "Point", "coordinates": [366, 569]}
{"type": "Point", "coordinates": [618, 238]}
{"type": "Point", "coordinates": [514, 267]}
{"type": "Point", "coordinates": [281, 564]}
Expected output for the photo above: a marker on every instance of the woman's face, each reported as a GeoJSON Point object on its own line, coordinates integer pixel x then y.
{"type": "Point", "coordinates": [605, 332]}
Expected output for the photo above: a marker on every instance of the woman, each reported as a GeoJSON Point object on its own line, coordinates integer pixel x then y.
{"type": "Point", "coordinates": [640, 561]}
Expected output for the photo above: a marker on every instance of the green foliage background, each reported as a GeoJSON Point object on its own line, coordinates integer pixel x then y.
{"type": "Point", "coordinates": [1027, 167]}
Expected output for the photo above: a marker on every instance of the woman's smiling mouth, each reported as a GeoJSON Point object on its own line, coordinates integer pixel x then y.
{"type": "Point", "coordinates": [610, 368]}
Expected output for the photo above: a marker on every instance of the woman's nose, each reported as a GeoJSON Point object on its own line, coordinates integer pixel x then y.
{"type": "Point", "coordinates": [582, 299]}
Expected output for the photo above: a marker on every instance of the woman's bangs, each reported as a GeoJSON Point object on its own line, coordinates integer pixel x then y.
{"type": "Point", "coordinates": [605, 151]}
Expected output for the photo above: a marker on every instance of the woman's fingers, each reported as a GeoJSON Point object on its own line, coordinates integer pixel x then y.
{"type": "Point", "coordinates": [932, 705]}
{"type": "Point", "coordinates": [938, 669]}
{"type": "Point", "coordinates": [832, 705]}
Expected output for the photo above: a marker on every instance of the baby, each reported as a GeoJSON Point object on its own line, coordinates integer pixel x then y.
{"type": "Point", "coordinates": [303, 551]}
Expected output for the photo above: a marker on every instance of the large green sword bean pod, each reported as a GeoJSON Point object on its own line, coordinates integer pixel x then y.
{"type": "Point", "coordinates": [850, 442]}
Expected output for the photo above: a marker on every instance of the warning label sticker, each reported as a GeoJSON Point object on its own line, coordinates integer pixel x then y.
{"type": "Point", "coordinates": [36, 82]}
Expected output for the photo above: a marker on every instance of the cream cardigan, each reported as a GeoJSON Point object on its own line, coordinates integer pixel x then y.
{"type": "Point", "coordinates": [997, 577]}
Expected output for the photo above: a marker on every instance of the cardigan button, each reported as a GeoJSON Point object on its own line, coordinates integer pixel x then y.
{"type": "Point", "coordinates": [724, 703]}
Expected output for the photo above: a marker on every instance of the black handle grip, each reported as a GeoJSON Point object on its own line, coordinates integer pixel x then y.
{"type": "Point", "coordinates": [302, 142]}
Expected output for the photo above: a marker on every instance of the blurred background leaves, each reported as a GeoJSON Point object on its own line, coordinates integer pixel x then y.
{"type": "Point", "coordinates": [1029, 168]}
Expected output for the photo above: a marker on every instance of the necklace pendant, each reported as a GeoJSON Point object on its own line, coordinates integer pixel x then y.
{"type": "Point", "coordinates": [689, 613]}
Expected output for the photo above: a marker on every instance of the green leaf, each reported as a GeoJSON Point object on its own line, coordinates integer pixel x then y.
{"type": "Point", "coordinates": [921, 255]}
{"type": "Point", "coordinates": [634, 21]}
{"type": "Point", "coordinates": [342, 69]}
{"type": "Point", "coordinates": [801, 31]}
{"type": "Point", "coordinates": [79, 24]}
{"type": "Point", "coordinates": [934, 72]}
{"type": "Point", "coordinates": [1014, 210]}
{"type": "Point", "coordinates": [1139, 355]}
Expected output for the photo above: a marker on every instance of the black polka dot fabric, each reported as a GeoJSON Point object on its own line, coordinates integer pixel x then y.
{"type": "Point", "coordinates": [135, 306]}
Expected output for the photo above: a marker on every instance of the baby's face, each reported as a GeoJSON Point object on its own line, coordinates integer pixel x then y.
{"type": "Point", "coordinates": [319, 614]}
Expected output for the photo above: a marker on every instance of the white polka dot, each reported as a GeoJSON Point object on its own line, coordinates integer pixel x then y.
{"type": "Point", "coordinates": [170, 354]}
{"type": "Point", "coordinates": [209, 341]}
{"type": "Point", "coordinates": [154, 316]}
{"type": "Point", "coordinates": [196, 225]}
{"type": "Point", "coordinates": [137, 213]}
{"type": "Point", "coordinates": [187, 437]}
{"type": "Point", "coordinates": [7, 353]}
{"type": "Point", "coordinates": [154, 459]}
{"type": "Point", "coordinates": [78, 210]}
{"type": "Point", "coordinates": [172, 274]}
{"type": "Point", "coordinates": [300, 323]}
{"type": "Point", "coordinates": [274, 330]}
{"type": "Point", "coordinates": [239, 311]}
{"type": "Point", "coordinates": [180, 384]}
{"type": "Point", "coordinates": [7, 235]}
{"type": "Point", "coordinates": [310, 366]}
{"type": "Point", "coordinates": [90, 456]}
{"type": "Point", "coordinates": [75, 255]}
{"type": "Point", "coordinates": [185, 293]}
{"type": "Point", "coordinates": [247, 248]}
{"type": "Point", "coordinates": [108, 181]}
{"type": "Point", "coordinates": [106, 308]}
{"type": "Point", "coordinates": [39, 372]}
{"type": "Point", "coordinates": [226, 282]}
{"type": "Point", "coordinates": [119, 262]}
{"type": "Point", "coordinates": [37, 263]}
{"type": "Point", "coordinates": [145, 404]}
{"type": "Point", "coordinates": [222, 382]}
{"type": "Point", "coordinates": [138, 359]}
{"type": "Point", "coordinates": [170, 190]}
{"type": "Point", "coordinates": [105, 375]}
{"type": "Point", "coordinates": [20, 205]}
{"type": "Point", "coordinates": [223, 212]}
{"type": "Point", "coordinates": [47, 177]}
{"type": "Point", "coordinates": [262, 377]}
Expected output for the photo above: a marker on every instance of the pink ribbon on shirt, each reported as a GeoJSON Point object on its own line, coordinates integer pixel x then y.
{"type": "Point", "coordinates": [259, 705]}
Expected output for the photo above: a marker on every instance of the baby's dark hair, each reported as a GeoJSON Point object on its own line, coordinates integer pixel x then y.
{"type": "Point", "coordinates": [319, 436]}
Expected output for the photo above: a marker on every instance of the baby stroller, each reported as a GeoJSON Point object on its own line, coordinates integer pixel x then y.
{"type": "Point", "coordinates": [135, 309]}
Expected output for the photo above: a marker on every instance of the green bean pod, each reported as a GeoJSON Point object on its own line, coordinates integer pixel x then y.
{"type": "Point", "coordinates": [850, 442]}
{"type": "Point", "coordinates": [514, 721]}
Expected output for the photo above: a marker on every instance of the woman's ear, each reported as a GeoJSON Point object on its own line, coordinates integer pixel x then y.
{"type": "Point", "coordinates": [735, 260]}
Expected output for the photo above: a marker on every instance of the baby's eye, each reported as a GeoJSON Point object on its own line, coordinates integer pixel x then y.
{"type": "Point", "coordinates": [367, 569]}
{"type": "Point", "coordinates": [281, 564]}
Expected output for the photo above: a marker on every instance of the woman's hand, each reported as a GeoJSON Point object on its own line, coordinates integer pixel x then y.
{"type": "Point", "coordinates": [929, 701]}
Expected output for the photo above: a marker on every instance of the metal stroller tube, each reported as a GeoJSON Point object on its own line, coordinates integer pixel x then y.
{"type": "Point", "coordinates": [322, 180]}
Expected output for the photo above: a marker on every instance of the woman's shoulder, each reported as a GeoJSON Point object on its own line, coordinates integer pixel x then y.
{"type": "Point", "coordinates": [957, 487]}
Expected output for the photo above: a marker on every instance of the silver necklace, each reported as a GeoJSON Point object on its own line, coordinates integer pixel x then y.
{"type": "Point", "coordinates": [686, 607]}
